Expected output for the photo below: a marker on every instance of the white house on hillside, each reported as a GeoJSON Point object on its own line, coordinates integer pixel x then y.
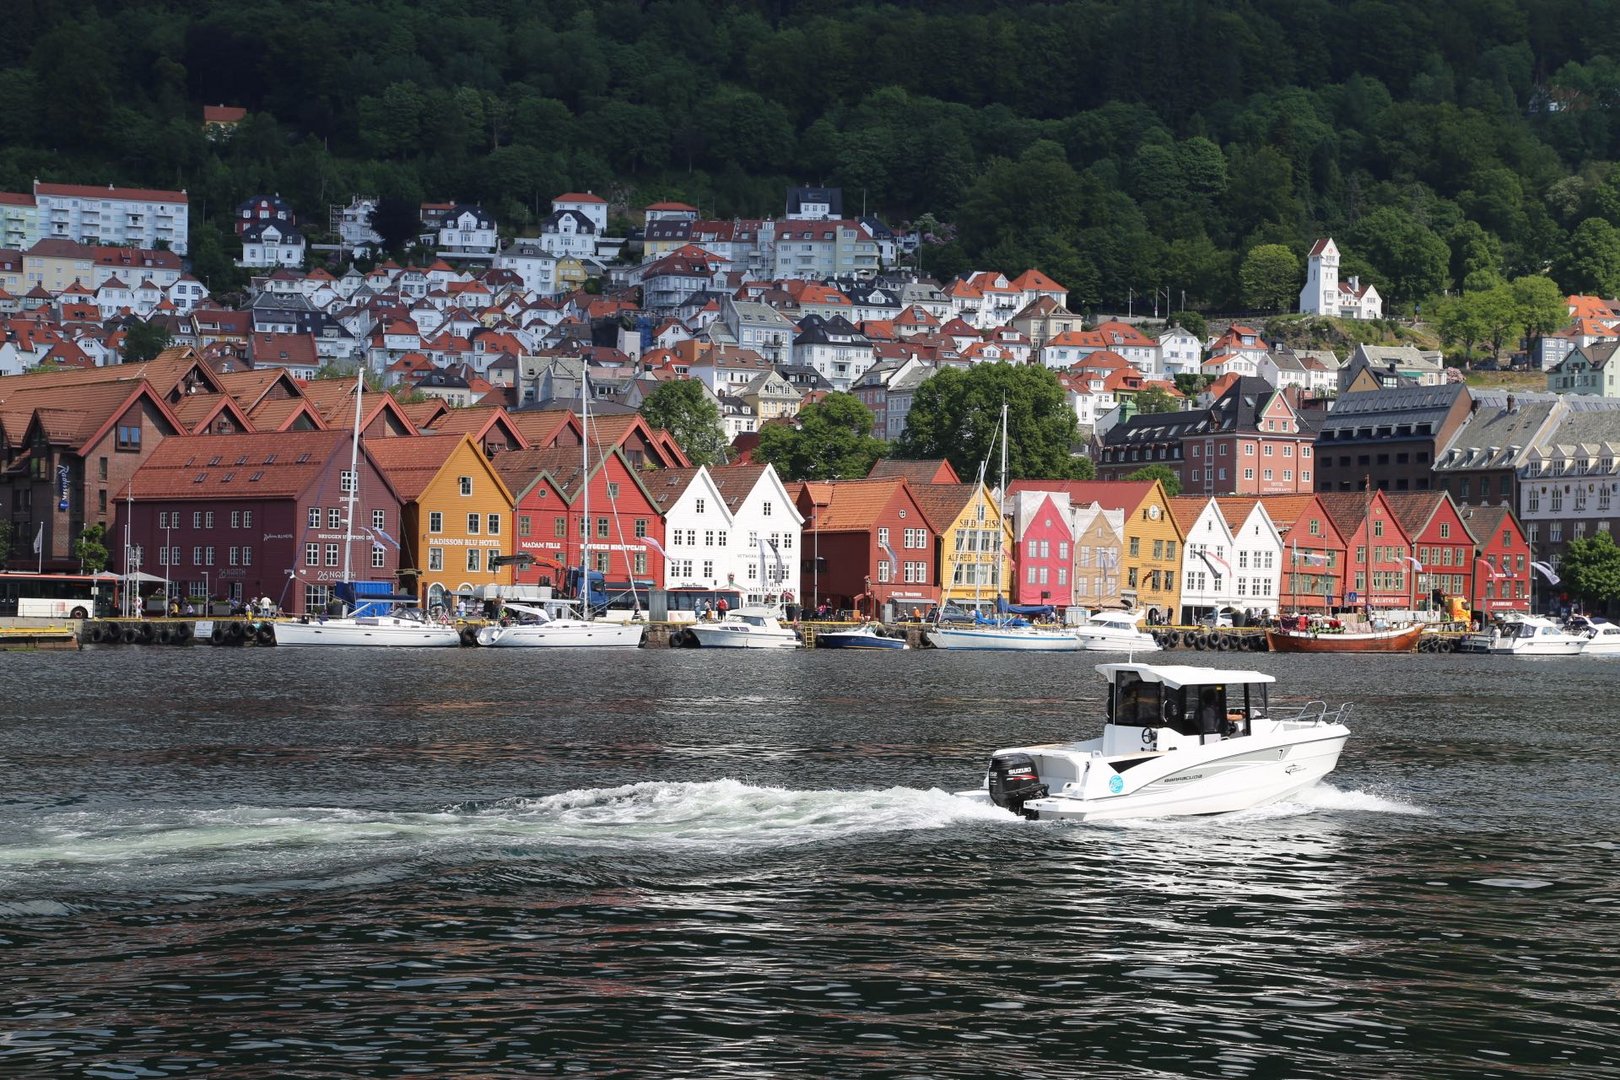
{"type": "Point", "coordinates": [1325, 294]}
{"type": "Point", "coordinates": [766, 528]}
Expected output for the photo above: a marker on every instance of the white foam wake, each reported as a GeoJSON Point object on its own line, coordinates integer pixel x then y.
{"type": "Point", "coordinates": [719, 813]}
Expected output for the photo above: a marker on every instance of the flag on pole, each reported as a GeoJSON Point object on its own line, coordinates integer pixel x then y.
{"type": "Point", "coordinates": [764, 561]}
{"type": "Point", "coordinates": [1546, 571]}
{"type": "Point", "coordinates": [39, 539]}
{"type": "Point", "coordinates": [781, 565]}
{"type": "Point", "coordinates": [654, 544]}
{"type": "Point", "coordinates": [1217, 564]}
{"type": "Point", "coordinates": [1310, 558]}
{"type": "Point", "coordinates": [1416, 565]}
{"type": "Point", "coordinates": [380, 536]}
{"type": "Point", "coordinates": [894, 560]}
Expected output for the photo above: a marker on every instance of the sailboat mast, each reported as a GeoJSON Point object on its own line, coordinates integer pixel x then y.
{"type": "Point", "coordinates": [1001, 509]}
{"type": "Point", "coordinates": [354, 470]}
{"type": "Point", "coordinates": [585, 491]}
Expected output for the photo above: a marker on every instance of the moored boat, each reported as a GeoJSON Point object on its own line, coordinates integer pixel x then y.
{"type": "Point", "coordinates": [1394, 639]}
{"type": "Point", "coordinates": [748, 627]}
{"type": "Point", "coordinates": [1003, 637]}
{"type": "Point", "coordinates": [1115, 631]}
{"type": "Point", "coordinates": [1176, 740]}
{"type": "Point", "coordinates": [537, 628]}
{"type": "Point", "coordinates": [860, 637]}
{"type": "Point", "coordinates": [1535, 635]}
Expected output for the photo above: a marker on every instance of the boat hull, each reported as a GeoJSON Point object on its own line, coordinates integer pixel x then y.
{"type": "Point", "coordinates": [1133, 643]}
{"type": "Point", "coordinates": [857, 639]}
{"type": "Point", "coordinates": [562, 635]}
{"type": "Point", "coordinates": [392, 633]}
{"type": "Point", "coordinates": [1220, 778]}
{"type": "Point", "coordinates": [717, 637]}
{"type": "Point", "coordinates": [1378, 641]}
{"type": "Point", "coordinates": [1013, 640]}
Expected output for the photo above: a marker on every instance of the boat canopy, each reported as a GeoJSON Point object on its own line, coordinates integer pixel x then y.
{"type": "Point", "coordinates": [1176, 676]}
{"type": "Point", "coordinates": [1039, 610]}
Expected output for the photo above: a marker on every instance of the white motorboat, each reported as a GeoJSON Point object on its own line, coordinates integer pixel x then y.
{"type": "Point", "coordinates": [746, 628]}
{"type": "Point", "coordinates": [1177, 740]}
{"type": "Point", "coordinates": [1534, 635]}
{"type": "Point", "coordinates": [401, 628]}
{"type": "Point", "coordinates": [1115, 631]}
{"type": "Point", "coordinates": [557, 628]}
{"type": "Point", "coordinates": [1602, 638]}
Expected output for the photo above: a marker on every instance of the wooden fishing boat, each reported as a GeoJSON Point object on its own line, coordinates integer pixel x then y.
{"type": "Point", "coordinates": [1395, 639]}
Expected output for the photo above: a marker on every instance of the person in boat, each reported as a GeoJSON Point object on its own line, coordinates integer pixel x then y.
{"type": "Point", "coordinates": [1211, 716]}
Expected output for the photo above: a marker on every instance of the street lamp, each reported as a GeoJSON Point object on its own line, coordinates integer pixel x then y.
{"type": "Point", "coordinates": [168, 528]}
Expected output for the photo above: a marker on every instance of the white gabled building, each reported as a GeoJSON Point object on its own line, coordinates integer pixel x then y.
{"type": "Point", "coordinates": [1257, 568]}
{"type": "Point", "coordinates": [1180, 352]}
{"type": "Point", "coordinates": [766, 528]}
{"type": "Point", "coordinates": [271, 244]}
{"type": "Point", "coordinates": [698, 528]}
{"type": "Point", "coordinates": [1208, 578]}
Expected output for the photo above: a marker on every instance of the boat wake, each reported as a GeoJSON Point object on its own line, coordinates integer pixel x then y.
{"type": "Point", "coordinates": [246, 848]}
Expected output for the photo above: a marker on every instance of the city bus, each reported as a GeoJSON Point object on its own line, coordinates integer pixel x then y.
{"type": "Point", "coordinates": [54, 596]}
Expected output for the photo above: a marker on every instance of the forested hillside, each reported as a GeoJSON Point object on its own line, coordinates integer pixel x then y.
{"type": "Point", "coordinates": [1123, 146]}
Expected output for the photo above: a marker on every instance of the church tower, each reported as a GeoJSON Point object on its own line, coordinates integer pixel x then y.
{"type": "Point", "coordinates": [1321, 293]}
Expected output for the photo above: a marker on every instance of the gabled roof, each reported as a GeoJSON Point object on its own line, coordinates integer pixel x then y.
{"type": "Point", "coordinates": [853, 505]}
{"type": "Point", "coordinates": [412, 463]}
{"type": "Point", "coordinates": [257, 465]}
{"type": "Point", "coordinates": [943, 504]}
{"type": "Point", "coordinates": [1124, 495]}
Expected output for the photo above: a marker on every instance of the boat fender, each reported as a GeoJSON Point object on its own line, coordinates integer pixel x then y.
{"type": "Point", "coordinates": [163, 635]}
{"type": "Point", "coordinates": [267, 634]}
{"type": "Point", "coordinates": [131, 634]}
{"type": "Point", "coordinates": [94, 634]}
{"type": "Point", "coordinates": [218, 636]}
{"type": "Point", "coordinates": [1198, 641]}
{"type": "Point", "coordinates": [1223, 642]}
{"type": "Point", "coordinates": [182, 633]}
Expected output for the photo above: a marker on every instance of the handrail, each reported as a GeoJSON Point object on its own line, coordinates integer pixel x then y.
{"type": "Point", "coordinates": [1314, 712]}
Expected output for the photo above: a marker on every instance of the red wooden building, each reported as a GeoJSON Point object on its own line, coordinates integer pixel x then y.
{"type": "Point", "coordinates": [874, 543]}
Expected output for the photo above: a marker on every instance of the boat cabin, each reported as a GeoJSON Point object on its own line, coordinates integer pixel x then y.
{"type": "Point", "coordinates": [1194, 702]}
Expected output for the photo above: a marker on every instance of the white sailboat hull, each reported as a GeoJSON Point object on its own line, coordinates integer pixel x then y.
{"type": "Point", "coordinates": [562, 634]}
{"type": "Point", "coordinates": [1004, 639]}
{"type": "Point", "coordinates": [385, 630]}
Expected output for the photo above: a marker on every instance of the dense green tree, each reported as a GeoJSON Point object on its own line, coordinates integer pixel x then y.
{"type": "Point", "coordinates": [398, 221]}
{"type": "Point", "coordinates": [91, 549]}
{"type": "Point", "coordinates": [1539, 307]}
{"type": "Point", "coordinates": [956, 415]}
{"type": "Point", "coordinates": [1164, 474]}
{"type": "Point", "coordinates": [1412, 262]}
{"type": "Point", "coordinates": [833, 441]}
{"type": "Point", "coordinates": [1270, 278]}
{"type": "Point", "coordinates": [143, 341]}
{"type": "Point", "coordinates": [1590, 569]}
{"type": "Point", "coordinates": [1591, 261]}
{"type": "Point", "coordinates": [684, 408]}
{"type": "Point", "coordinates": [1461, 320]}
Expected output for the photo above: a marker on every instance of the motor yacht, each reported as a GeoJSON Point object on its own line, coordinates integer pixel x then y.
{"type": "Point", "coordinates": [747, 627]}
{"type": "Point", "coordinates": [1176, 740]}
{"type": "Point", "coordinates": [860, 637]}
{"type": "Point", "coordinates": [1115, 631]}
{"type": "Point", "coordinates": [1535, 635]}
{"type": "Point", "coordinates": [1602, 637]}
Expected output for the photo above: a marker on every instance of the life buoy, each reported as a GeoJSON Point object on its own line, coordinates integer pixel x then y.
{"type": "Point", "coordinates": [131, 634]}
{"type": "Point", "coordinates": [218, 636]}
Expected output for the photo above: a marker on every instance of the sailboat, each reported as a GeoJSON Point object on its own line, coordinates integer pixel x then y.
{"type": "Point", "coordinates": [373, 614]}
{"type": "Point", "coordinates": [1007, 631]}
{"type": "Point", "coordinates": [557, 624]}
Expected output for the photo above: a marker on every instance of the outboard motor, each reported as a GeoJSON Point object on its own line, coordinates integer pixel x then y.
{"type": "Point", "coordinates": [1013, 781]}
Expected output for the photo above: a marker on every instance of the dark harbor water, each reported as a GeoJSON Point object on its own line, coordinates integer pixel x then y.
{"type": "Point", "coordinates": [269, 863]}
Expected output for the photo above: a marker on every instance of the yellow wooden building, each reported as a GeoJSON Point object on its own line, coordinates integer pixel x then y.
{"type": "Point", "coordinates": [456, 519]}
